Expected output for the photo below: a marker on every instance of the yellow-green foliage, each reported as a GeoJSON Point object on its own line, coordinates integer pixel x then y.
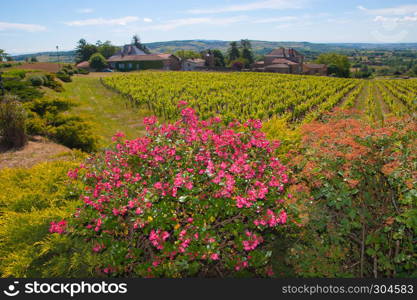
{"type": "Point", "coordinates": [29, 200]}
{"type": "Point", "coordinates": [43, 186]}
{"type": "Point", "coordinates": [278, 129]}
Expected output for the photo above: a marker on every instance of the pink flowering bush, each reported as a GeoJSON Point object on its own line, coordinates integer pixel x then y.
{"type": "Point", "coordinates": [193, 198]}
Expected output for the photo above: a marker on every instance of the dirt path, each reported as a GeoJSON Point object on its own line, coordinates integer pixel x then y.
{"type": "Point", "coordinates": [360, 103]}
{"type": "Point", "coordinates": [36, 151]}
{"type": "Point", "coordinates": [378, 96]}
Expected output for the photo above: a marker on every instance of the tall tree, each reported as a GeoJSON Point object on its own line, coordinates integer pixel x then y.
{"type": "Point", "coordinates": [97, 62]}
{"type": "Point", "coordinates": [107, 49]}
{"type": "Point", "coordinates": [3, 55]}
{"type": "Point", "coordinates": [84, 50]}
{"type": "Point", "coordinates": [233, 51]}
{"type": "Point", "coordinates": [218, 58]}
{"type": "Point", "coordinates": [187, 54]}
{"type": "Point", "coordinates": [338, 64]}
{"type": "Point", "coordinates": [136, 41]}
{"type": "Point", "coordinates": [247, 53]}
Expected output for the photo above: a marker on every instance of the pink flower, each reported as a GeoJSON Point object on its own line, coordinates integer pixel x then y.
{"type": "Point", "coordinates": [214, 256]}
{"type": "Point", "coordinates": [118, 136]}
{"type": "Point", "coordinates": [149, 120]}
{"type": "Point", "coordinates": [58, 227]}
{"type": "Point", "coordinates": [189, 185]}
{"type": "Point", "coordinates": [182, 103]}
{"type": "Point", "coordinates": [158, 186]}
{"type": "Point", "coordinates": [283, 217]}
{"type": "Point", "coordinates": [98, 247]}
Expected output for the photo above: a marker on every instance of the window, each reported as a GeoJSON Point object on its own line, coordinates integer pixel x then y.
{"type": "Point", "coordinates": [129, 66]}
{"type": "Point", "coordinates": [121, 66]}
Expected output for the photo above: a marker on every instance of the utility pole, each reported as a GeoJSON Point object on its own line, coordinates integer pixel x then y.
{"type": "Point", "coordinates": [57, 53]}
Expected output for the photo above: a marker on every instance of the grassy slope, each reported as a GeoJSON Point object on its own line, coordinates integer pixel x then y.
{"type": "Point", "coordinates": [109, 111]}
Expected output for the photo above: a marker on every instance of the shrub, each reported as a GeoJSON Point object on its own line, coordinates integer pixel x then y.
{"type": "Point", "coordinates": [238, 64]}
{"type": "Point", "coordinates": [12, 123]}
{"type": "Point", "coordinates": [51, 82]}
{"type": "Point", "coordinates": [17, 72]}
{"type": "Point", "coordinates": [63, 76]}
{"type": "Point", "coordinates": [22, 89]}
{"type": "Point", "coordinates": [74, 132]}
{"type": "Point", "coordinates": [361, 177]}
{"type": "Point", "coordinates": [82, 71]}
{"type": "Point", "coordinates": [49, 105]}
{"type": "Point", "coordinates": [97, 62]}
{"type": "Point", "coordinates": [193, 198]}
{"type": "Point", "coordinates": [37, 80]}
{"type": "Point", "coordinates": [29, 200]}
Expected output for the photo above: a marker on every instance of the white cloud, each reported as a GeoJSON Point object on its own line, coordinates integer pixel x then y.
{"type": "Point", "coordinates": [391, 11]}
{"type": "Point", "coordinates": [276, 20]}
{"type": "Point", "coordinates": [147, 20]}
{"type": "Point", "coordinates": [257, 5]}
{"type": "Point", "coordinates": [172, 24]}
{"type": "Point", "coordinates": [85, 11]}
{"type": "Point", "coordinates": [24, 27]}
{"type": "Point", "coordinates": [101, 21]}
{"type": "Point", "coordinates": [396, 20]}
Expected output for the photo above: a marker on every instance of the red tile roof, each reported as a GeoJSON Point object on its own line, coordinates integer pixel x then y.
{"type": "Point", "coordinates": [83, 64]}
{"type": "Point", "coordinates": [283, 61]}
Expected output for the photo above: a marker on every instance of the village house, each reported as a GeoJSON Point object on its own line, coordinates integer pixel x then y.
{"type": "Point", "coordinates": [131, 58]}
{"type": "Point", "coordinates": [193, 64]}
{"type": "Point", "coordinates": [315, 69]}
{"type": "Point", "coordinates": [288, 61]}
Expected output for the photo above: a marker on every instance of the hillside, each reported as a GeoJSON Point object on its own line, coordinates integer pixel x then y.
{"type": "Point", "coordinates": [259, 47]}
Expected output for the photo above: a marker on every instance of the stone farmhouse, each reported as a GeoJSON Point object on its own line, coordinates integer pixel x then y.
{"type": "Point", "coordinates": [131, 58]}
{"type": "Point", "coordinates": [193, 64]}
{"type": "Point", "coordinates": [288, 61]}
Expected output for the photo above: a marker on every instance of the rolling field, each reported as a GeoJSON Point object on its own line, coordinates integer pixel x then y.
{"type": "Point", "coordinates": [242, 96]}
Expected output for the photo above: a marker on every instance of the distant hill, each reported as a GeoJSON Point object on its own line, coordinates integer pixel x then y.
{"type": "Point", "coordinates": [52, 56]}
{"type": "Point", "coordinates": [311, 50]}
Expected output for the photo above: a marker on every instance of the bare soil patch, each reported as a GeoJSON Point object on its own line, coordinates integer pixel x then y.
{"type": "Point", "coordinates": [37, 150]}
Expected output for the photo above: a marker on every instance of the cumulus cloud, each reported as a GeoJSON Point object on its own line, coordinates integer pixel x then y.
{"type": "Point", "coordinates": [23, 27]}
{"type": "Point", "coordinates": [147, 20]}
{"type": "Point", "coordinates": [257, 5]}
{"type": "Point", "coordinates": [102, 21]}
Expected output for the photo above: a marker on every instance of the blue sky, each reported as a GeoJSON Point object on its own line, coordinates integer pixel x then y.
{"type": "Point", "coordinates": [28, 26]}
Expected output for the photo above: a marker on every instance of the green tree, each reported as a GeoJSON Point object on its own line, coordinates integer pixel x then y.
{"type": "Point", "coordinates": [84, 50]}
{"type": "Point", "coordinates": [33, 59]}
{"type": "Point", "coordinates": [107, 49]}
{"type": "Point", "coordinates": [247, 53]}
{"type": "Point", "coordinates": [338, 64]}
{"type": "Point", "coordinates": [136, 41]}
{"type": "Point", "coordinates": [219, 60]}
{"type": "Point", "coordinates": [3, 55]}
{"type": "Point", "coordinates": [187, 54]}
{"type": "Point", "coordinates": [233, 52]}
{"type": "Point", "coordinates": [98, 61]}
